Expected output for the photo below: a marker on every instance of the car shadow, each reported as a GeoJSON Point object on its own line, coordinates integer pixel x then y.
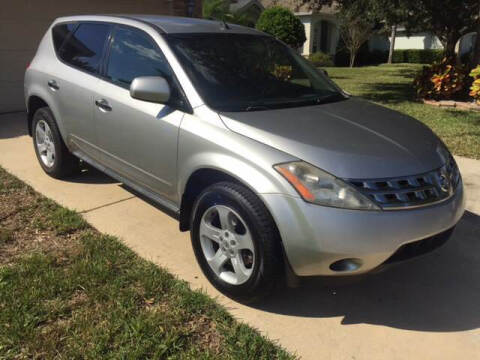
{"type": "Point", "coordinates": [437, 292]}
{"type": "Point", "coordinates": [90, 175]}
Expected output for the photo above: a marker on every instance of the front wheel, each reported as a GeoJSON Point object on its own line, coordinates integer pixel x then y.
{"type": "Point", "coordinates": [236, 242]}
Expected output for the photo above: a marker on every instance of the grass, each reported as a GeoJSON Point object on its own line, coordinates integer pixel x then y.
{"type": "Point", "coordinates": [68, 292]}
{"type": "Point", "coordinates": [391, 86]}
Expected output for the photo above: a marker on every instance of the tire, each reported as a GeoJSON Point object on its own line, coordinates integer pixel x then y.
{"type": "Point", "coordinates": [62, 164]}
{"type": "Point", "coordinates": [249, 218]}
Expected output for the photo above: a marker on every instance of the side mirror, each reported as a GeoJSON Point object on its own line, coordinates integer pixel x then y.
{"type": "Point", "coordinates": [325, 72]}
{"type": "Point", "coordinates": [150, 88]}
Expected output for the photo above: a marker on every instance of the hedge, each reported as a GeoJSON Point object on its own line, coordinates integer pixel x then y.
{"type": "Point", "coordinates": [417, 56]}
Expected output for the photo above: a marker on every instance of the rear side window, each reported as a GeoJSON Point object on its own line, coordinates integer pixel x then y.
{"type": "Point", "coordinates": [85, 47]}
{"type": "Point", "coordinates": [134, 54]}
{"type": "Point", "coordinates": [60, 33]}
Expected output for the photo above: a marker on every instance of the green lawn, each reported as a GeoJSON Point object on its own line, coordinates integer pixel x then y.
{"type": "Point", "coordinates": [391, 85]}
{"type": "Point", "coordinates": [69, 292]}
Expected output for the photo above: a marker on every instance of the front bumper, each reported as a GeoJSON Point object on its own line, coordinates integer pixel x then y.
{"type": "Point", "coordinates": [315, 237]}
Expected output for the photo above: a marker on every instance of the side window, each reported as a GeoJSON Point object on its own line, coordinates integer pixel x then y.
{"type": "Point", "coordinates": [84, 48]}
{"type": "Point", "coordinates": [60, 33]}
{"type": "Point", "coordinates": [132, 54]}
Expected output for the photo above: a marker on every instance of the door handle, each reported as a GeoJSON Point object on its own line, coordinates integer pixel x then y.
{"type": "Point", "coordinates": [52, 84]}
{"type": "Point", "coordinates": [103, 105]}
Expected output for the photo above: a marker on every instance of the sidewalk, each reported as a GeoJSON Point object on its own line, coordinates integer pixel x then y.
{"type": "Point", "coordinates": [424, 309]}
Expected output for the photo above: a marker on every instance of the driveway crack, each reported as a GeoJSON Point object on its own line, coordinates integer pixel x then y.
{"type": "Point", "coordinates": [106, 205]}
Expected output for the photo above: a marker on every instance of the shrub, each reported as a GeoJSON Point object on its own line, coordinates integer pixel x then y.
{"type": "Point", "coordinates": [282, 24]}
{"type": "Point", "coordinates": [475, 88]}
{"type": "Point", "coordinates": [441, 81]}
{"type": "Point", "coordinates": [320, 59]}
{"type": "Point", "coordinates": [417, 56]}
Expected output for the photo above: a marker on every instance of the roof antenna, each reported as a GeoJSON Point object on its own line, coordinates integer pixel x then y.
{"type": "Point", "coordinates": [225, 25]}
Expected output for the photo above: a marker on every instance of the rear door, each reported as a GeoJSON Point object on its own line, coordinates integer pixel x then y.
{"type": "Point", "coordinates": [80, 49]}
{"type": "Point", "coordinates": [138, 138]}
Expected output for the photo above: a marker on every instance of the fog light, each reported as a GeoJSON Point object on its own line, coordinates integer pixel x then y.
{"type": "Point", "coordinates": [346, 265]}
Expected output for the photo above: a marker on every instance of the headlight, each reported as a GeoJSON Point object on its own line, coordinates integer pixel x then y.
{"type": "Point", "coordinates": [318, 187]}
{"type": "Point", "coordinates": [450, 165]}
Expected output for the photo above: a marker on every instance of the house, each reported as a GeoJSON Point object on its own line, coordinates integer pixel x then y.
{"type": "Point", "coordinates": [321, 26]}
{"type": "Point", "coordinates": [24, 22]}
{"type": "Point", "coordinates": [322, 31]}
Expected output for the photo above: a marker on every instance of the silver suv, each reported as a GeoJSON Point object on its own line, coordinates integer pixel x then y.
{"type": "Point", "coordinates": [271, 166]}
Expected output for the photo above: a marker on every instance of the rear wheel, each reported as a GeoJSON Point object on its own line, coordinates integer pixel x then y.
{"type": "Point", "coordinates": [236, 242]}
{"type": "Point", "coordinates": [52, 154]}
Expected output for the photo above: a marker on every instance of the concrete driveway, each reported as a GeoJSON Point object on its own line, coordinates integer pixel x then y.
{"type": "Point", "coordinates": [428, 308]}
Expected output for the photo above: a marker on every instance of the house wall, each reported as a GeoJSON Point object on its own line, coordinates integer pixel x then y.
{"type": "Point", "coordinates": [24, 22]}
{"type": "Point", "coordinates": [307, 45]}
{"type": "Point", "coordinates": [417, 41]}
{"type": "Point", "coordinates": [313, 31]}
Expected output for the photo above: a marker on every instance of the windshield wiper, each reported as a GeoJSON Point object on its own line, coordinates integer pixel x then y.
{"type": "Point", "coordinates": [319, 99]}
{"type": "Point", "coordinates": [304, 100]}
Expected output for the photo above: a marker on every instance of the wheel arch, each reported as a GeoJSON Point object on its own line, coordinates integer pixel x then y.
{"type": "Point", "coordinates": [198, 181]}
{"type": "Point", "coordinates": [38, 98]}
{"type": "Point", "coordinates": [34, 103]}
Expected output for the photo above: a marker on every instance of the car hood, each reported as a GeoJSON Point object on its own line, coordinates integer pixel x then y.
{"type": "Point", "coordinates": [352, 139]}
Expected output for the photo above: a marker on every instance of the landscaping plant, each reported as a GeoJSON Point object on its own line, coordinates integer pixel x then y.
{"type": "Point", "coordinates": [284, 25]}
{"type": "Point", "coordinates": [475, 88]}
{"type": "Point", "coordinates": [320, 59]}
{"type": "Point", "coordinates": [441, 81]}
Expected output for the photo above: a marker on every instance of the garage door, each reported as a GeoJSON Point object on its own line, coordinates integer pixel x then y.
{"type": "Point", "coordinates": [24, 22]}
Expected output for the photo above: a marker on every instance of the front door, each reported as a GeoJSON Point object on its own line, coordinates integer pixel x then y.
{"type": "Point", "coordinates": [138, 138]}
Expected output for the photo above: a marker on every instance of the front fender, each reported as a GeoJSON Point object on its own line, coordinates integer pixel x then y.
{"type": "Point", "coordinates": [210, 145]}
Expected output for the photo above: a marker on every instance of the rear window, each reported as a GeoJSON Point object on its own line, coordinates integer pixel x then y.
{"type": "Point", "coordinates": [60, 33]}
{"type": "Point", "coordinates": [84, 48]}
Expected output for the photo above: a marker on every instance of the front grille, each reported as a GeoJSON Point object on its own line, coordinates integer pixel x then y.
{"type": "Point", "coordinates": [411, 191]}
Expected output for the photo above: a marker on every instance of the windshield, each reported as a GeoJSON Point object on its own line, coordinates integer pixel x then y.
{"type": "Point", "coordinates": [238, 72]}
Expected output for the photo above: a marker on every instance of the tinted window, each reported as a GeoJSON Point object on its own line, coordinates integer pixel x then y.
{"type": "Point", "coordinates": [237, 72]}
{"type": "Point", "coordinates": [84, 48]}
{"type": "Point", "coordinates": [61, 32]}
{"type": "Point", "coordinates": [134, 54]}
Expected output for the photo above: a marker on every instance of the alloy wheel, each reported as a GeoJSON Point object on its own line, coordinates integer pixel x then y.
{"type": "Point", "coordinates": [44, 143]}
{"type": "Point", "coordinates": [227, 244]}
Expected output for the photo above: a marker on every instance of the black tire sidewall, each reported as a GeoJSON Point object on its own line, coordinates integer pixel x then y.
{"type": "Point", "coordinates": [259, 281]}
{"type": "Point", "coordinates": [59, 168]}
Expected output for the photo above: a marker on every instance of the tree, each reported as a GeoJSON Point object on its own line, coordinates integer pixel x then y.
{"type": "Point", "coordinates": [215, 9]}
{"type": "Point", "coordinates": [282, 24]}
{"type": "Point", "coordinates": [392, 13]}
{"type": "Point", "coordinates": [220, 10]}
{"type": "Point", "coordinates": [449, 20]}
{"type": "Point", "coordinates": [393, 37]}
{"type": "Point", "coordinates": [358, 22]}
{"type": "Point", "coordinates": [361, 18]}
